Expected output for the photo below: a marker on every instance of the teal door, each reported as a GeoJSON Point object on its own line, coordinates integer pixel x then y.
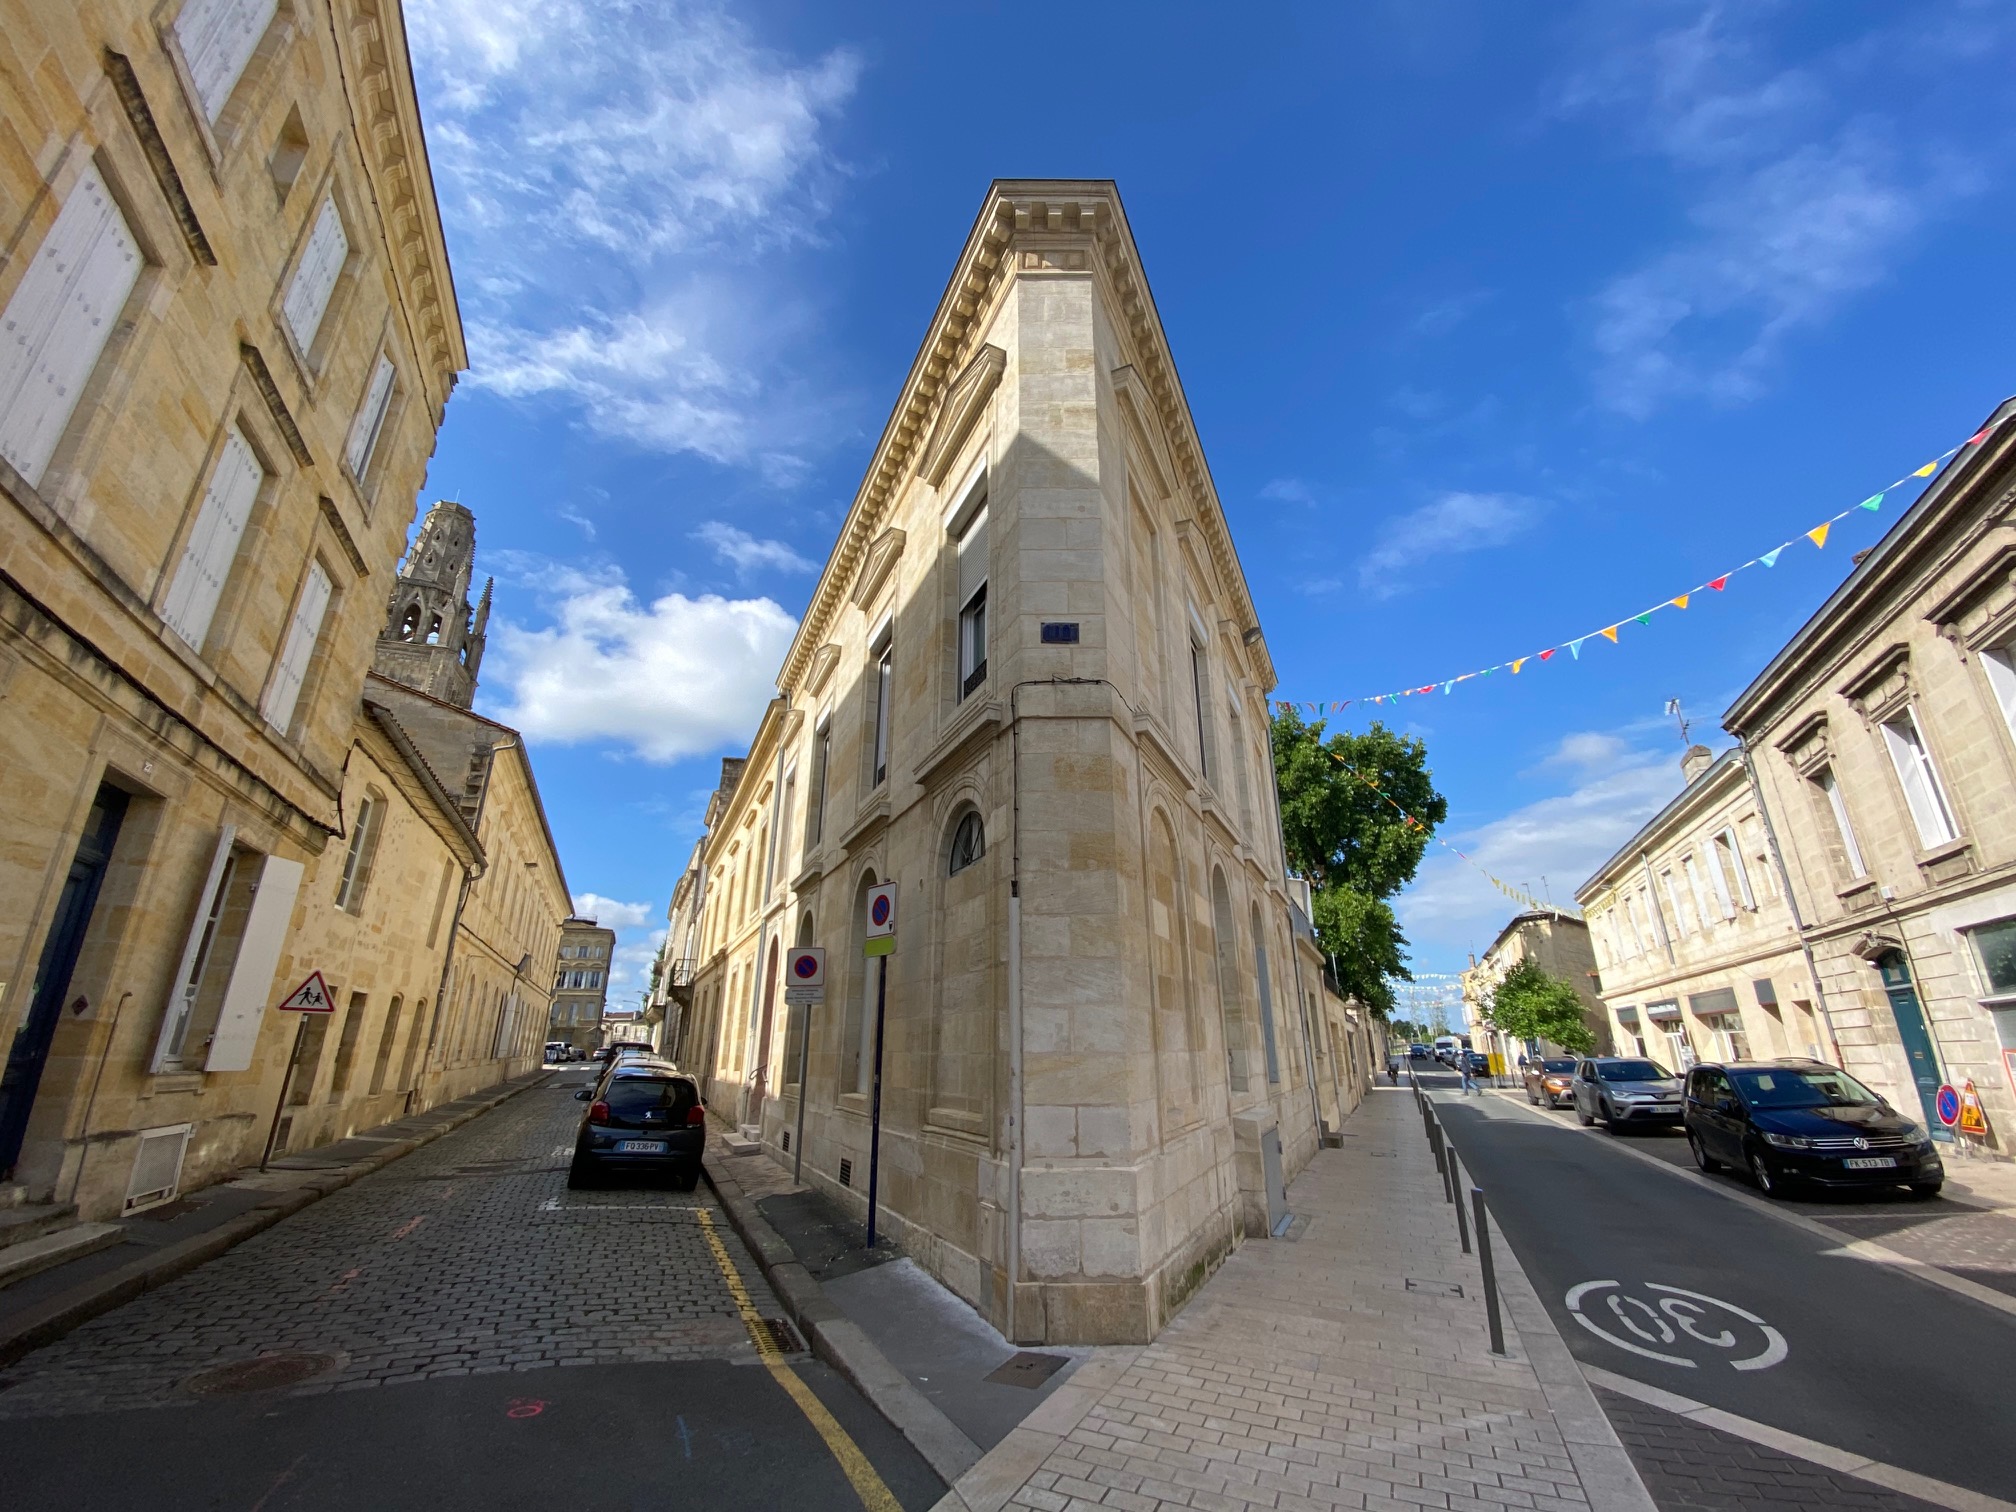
{"type": "Point", "coordinates": [1916, 1038]}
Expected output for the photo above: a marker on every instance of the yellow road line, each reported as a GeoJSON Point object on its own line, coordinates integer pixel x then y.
{"type": "Point", "coordinates": [875, 1496]}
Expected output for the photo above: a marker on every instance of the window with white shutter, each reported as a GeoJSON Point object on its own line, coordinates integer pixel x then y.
{"type": "Point", "coordinates": [370, 418]}
{"type": "Point", "coordinates": [218, 38]}
{"type": "Point", "coordinates": [54, 329]}
{"type": "Point", "coordinates": [315, 280]}
{"type": "Point", "coordinates": [213, 545]}
{"type": "Point", "coordinates": [1922, 791]}
{"type": "Point", "coordinates": [291, 671]}
{"type": "Point", "coordinates": [251, 986]}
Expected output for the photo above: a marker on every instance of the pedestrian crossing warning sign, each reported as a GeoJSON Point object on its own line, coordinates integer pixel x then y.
{"type": "Point", "coordinates": [312, 996]}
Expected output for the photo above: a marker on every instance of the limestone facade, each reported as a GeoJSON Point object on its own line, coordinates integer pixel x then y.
{"type": "Point", "coordinates": [1559, 943]}
{"type": "Point", "coordinates": [581, 983]}
{"type": "Point", "coordinates": [1883, 737]}
{"type": "Point", "coordinates": [1695, 939]}
{"type": "Point", "coordinates": [1030, 690]}
{"type": "Point", "coordinates": [231, 332]}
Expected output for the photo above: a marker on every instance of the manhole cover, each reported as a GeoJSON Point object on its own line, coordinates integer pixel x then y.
{"type": "Point", "coordinates": [266, 1372]}
{"type": "Point", "coordinates": [1025, 1368]}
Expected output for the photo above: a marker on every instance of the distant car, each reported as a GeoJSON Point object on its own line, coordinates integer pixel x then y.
{"type": "Point", "coordinates": [1551, 1082]}
{"type": "Point", "coordinates": [1797, 1123]}
{"type": "Point", "coordinates": [1625, 1092]}
{"type": "Point", "coordinates": [1478, 1062]}
{"type": "Point", "coordinates": [643, 1045]}
{"type": "Point", "coordinates": [556, 1050]}
{"type": "Point", "coordinates": [643, 1119]}
{"type": "Point", "coordinates": [1417, 1052]}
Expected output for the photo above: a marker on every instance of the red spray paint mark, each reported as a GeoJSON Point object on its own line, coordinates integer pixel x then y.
{"type": "Point", "coordinates": [408, 1226]}
{"type": "Point", "coordinates": [524, 1407]}
{"type": "Point", "coordinates": [343, 1281]}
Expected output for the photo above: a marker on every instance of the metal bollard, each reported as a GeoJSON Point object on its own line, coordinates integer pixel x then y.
{"type": "Point", "coordinates": [1456, 1183]}
{"type": "Point", "coordinates": [1496, 1323]}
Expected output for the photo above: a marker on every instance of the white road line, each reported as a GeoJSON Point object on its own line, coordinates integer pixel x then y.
{"type": "Point", "coordinates": [1849, 1246]}
{"type": "Point", "coordinates": [1939, 1493]}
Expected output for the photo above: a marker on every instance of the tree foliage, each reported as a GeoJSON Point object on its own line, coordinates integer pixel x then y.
{"type": "Point", "coordinates": [1353, 847]}
{"type": "Point", "coordinates": [1530, 1004]}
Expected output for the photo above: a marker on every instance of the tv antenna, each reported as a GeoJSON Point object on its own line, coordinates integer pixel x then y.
{"type": "Point", "coordinates": [1673, 708]}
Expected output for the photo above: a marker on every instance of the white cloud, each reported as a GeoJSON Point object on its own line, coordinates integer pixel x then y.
{"type": "Point", "coordinates": [747, 554]}
{"type": "Point", "coordinates": [1585, 748]}
{"type": "Point", "coordinates": [630, 967]}
{"type": "Point", "coordinates": [1455, 522]}
{"type": "Point", "coordinates": [1443, 317]}
{"type": "Point", "coordinates": [1791, 208]}
{"type": "Point", "coordinates": [614, 175]}
{"type": "Point", "coordinates": [1561, 839]}
{"type": "Point", "coordinates": [611, 913]}
{"type": "Point", "coordinates": [681, 676]}
{"type": "Point", "coordinates": [1287, 491]}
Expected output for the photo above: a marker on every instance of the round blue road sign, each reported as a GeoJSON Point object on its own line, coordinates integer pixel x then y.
{"type": "Point", "coordinates": [1948, 1106]}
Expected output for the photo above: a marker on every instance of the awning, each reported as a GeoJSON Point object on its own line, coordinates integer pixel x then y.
{"type": "Point", "coordinates": [1662, 1012]}
{"type": "Point", "coordinates": [1713, 1004]}
{"type": "Point", "coordinates": [1627, 1015]}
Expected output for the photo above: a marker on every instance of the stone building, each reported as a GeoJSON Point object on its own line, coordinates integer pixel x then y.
{"type": "Point", "coordinates": [1029, 690]}
{"type": "Point", "coordinates": [1883, 738]}
{"type": "Point", "coordinates": [230, 332]}
{"type": "Point", "coordinates": [581, 982]}
{"type": "Point", "coordinates": [1695, 938]}
{"type": "Point", "coordinates": [1559, 943]}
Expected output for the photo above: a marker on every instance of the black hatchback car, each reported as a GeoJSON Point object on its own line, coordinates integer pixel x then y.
{"type": "Point", "coordinates": [1798, 1123]}
{"type": "Point", "coordinates": [643, 1119]}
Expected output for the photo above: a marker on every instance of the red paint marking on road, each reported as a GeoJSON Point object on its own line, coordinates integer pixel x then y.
{"type": "Point", "coordinates": [524, 1407]}
{"type": "Point", "coordinates": [285, 1476]}
{"type": "Point", "coordinates": [445, 1193]}
{"type": "Point", "coordinates": [406, 1228]}
{"type": "Point", "coordinates": [343, 1281]}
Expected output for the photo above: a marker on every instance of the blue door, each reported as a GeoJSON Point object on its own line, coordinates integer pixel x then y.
{"type": "Point", "coordinates": [1916, 1038]}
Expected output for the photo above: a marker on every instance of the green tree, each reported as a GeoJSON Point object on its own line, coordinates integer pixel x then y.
{"type": "Point", "coordinates": [1354, 848]}
{"type": "Point", "coordinates": [1530, 1004]}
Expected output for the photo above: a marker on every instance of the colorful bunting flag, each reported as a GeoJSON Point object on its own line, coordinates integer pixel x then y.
{"type": "Point", "coordinates": [1872, 503]}
{"type": "Point", "coordinates": [1518, 663]}
{"type": "Point", "coordinates": [1770, 558]}
{"type": "Point", "coordinates": [1718, 584]}
{"type": "Point", "coordinates": [1977, 438]}
{"type": "Point", "coordinates": [1575, 648]}
{"type": "Point", "coordinates": [1611, 634]}
{"type": "Point", "coordinates": [1547, 653]}
{"type": "Point", "coordinates": [1818, 534]}
{"type": "Point", "coordinates": [1645, 618]}
{"type": "Point", "coordinates": [1926, 471]}
{"type": "Point", "coordinates": [1679, 601]}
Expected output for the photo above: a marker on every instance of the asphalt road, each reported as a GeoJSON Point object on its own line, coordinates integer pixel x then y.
{"type": "Point", "coordinates": [470, 1334]}
{"type": "Point", "coordinates": [1751, 1314]}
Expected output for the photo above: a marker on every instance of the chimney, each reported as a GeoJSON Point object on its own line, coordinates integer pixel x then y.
{"type": "Point", "coordinates": [1696, 760]}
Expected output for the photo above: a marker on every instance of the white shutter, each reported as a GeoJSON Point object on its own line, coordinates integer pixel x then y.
{"type": "Point", "coordinates": [370, 418]}
{"type": "Point", "coordinates": [315, 280]}
{"type": "Point", "coordinates": [1921, 786]}
{"type": "Point", "coordinates": [55, 327]}
{"type": "Point", "coordinates": [1718, 881]}
{"type": "Point", "coordinates": [213, 543]}
{"type": "Point", "coordinates": [182, 991]}
{"type": "Point", "coordinates": [244, 1007]}
{"type": "Point", "coordinates": [973, 558]}
{"type": "Point", "coordinates": [1850, 849]}
{"type": "Point", "coordinates": [2001, 666]}
{"type": "Point", "coordinates": [218, 38]}
{"type": "Point", "coordinates": [292, 668]}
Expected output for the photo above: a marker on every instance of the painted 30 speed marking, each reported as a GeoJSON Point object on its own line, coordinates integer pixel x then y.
{"type": "Point", "coordinates": [1677, 1326]}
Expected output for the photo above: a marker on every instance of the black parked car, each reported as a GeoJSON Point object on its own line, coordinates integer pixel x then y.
{"type": "Point", "coordinates": [1793, 1123]}
{"type": "Point", "coordinates": [1478, 1062]}
{"type": "Point", "coordinates": [643, 1119]}
{"type": "Point", "coordinates": [1625, 1092]}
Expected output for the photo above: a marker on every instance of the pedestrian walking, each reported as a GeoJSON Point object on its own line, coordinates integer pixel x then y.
{"type": "Point", "coordinates": [1393, 1069]}
{"type": "Point", "coordinates": [1463, 1065]}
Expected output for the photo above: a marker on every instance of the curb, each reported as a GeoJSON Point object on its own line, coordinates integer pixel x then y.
{"type": "Point", "coordinates": [1601, 1461]}
{"type": "Point", "coordinates": [839, 1341]}
{"type": "Point", "coordinates": [52, 1319]}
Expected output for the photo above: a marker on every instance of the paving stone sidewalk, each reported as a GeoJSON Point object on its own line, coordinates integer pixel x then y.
{"type": "Point", "coordinates": [1348, 1368]}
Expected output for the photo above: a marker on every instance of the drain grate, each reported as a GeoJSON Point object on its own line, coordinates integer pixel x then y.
{"type": "Point", "coordinates": [1026, 1368]}
{"type": "Point", "coordinates": [784, 1336]}
{"type": "Point", "coordinates": [266, 1372]}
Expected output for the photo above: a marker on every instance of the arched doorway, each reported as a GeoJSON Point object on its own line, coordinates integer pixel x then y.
{"type": "Point", "coordinates": [760, 1051]}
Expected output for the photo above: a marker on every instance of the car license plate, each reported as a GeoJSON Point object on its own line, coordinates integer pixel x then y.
{"type": "Point", "coordinates": [641, 1146]}
{"type": "Point", "coordinates": [1869, 1163]}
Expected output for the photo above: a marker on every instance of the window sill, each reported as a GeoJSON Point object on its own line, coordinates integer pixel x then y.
{"type": "Point", "coordinates": [1948, 862]}
{"type": "Point", "coordinates": [974, 717]}
{"type": "Point", "coordinates": [1858, 894]}
{"type": "Point", "coordinates": [874, 815]}
{"type": "Point", "coordinates": [173, 1083]}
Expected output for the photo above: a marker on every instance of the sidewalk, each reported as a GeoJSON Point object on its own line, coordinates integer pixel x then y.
{"type": "Point", "coordinates": [157, 1245]}
{"type": "Point", "coordinates": [1334, 1370]}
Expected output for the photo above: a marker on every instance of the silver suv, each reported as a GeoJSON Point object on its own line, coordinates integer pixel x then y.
{"type": "Point", "coordinates": [1626, 1092]}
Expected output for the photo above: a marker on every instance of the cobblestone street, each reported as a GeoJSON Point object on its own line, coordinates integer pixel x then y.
{"type": "Point", "coordinates": [469, 1258]}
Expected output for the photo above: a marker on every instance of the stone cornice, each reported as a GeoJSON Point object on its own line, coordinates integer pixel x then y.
{"type": "Point", "coordinates": [370, 38]}
{"type": "Point", "coordinates": [1014, 209]}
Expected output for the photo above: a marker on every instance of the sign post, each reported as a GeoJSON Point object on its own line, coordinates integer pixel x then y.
{"type": "Point", "coordinates": [311, 997]}
{"type": "Point", "coordinates": [804, 985]}
{"type": "Point", "coordinates": [880, 941]}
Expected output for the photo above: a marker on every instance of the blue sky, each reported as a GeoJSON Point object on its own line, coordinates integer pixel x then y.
{"type": "Point", "coordinates": [1500, 322]}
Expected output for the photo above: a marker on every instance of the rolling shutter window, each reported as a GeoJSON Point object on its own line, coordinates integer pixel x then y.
{"type": "Point", "coordinates": [315, 280]}
{"type": "Point", "coordinates": [213, 545]}
{"type": "Point", "coordinates": [292, 669]}
{"type": "Point", "coordinates": [244, 1006]}
{"type": "Point", "coordinates": [55, 327]}
{"type": "Point", "coordinates": [218, 38]}
{"type": "Point", "coordinates": [370, 418]}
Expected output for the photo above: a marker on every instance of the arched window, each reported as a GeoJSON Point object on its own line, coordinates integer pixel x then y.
{"type": "Point", "coordinates": [969, 842]}
{"type": "Point", "coordinates": [409, 626]}
{"type": "Point", "coordinates": [434, 631]}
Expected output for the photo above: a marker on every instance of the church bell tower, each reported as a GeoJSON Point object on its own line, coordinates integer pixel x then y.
{"type": "Point", "coordinates": [432, 640]}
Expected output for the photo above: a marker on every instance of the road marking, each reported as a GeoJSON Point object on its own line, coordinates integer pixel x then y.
{"type": "Point", "coordinates": [525, 1407]}
{"type": "Point", "coordinates": [1678, 1311]}
{"type": "Point", "coordinates": [1939, 1493]}
{"type": "Point", "coordinates": [1848, 1246]}
{"type": "Point", "coordinates": [555, 1205]}
{"type": "Point", "coordinates": [685, 1435]}
{"type": "Point", "coordinates": [408, 1226]}
{"type": "Point", "coordinates": [875, 1496]}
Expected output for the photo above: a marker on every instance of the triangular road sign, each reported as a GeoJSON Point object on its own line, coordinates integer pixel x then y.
{"type": "Point", "coordinates": [312, 996]}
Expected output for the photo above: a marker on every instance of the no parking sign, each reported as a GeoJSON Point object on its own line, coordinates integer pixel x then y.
{"type": "Point", "coordinates": [1947, 1105]}
{"type": "Point", "coordinates": [805, 975]}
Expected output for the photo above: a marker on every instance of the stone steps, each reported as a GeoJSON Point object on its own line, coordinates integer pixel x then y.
{"type": "Point", "coordinates": [31, 1220]}
{"type": "Point", "coordinates": [22, 1260]}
